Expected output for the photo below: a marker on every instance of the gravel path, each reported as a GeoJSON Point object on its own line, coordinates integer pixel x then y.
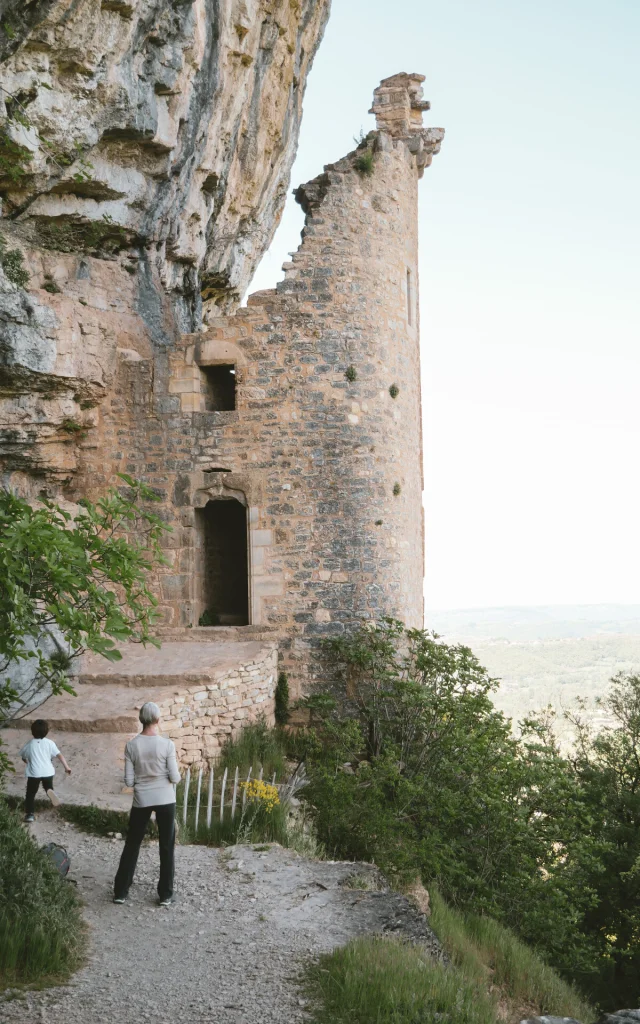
{"type": "Point", "coordinates": [228, 951]}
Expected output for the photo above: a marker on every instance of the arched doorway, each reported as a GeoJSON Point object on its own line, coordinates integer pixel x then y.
{"type": "Point", "coordinates": [225, 569]}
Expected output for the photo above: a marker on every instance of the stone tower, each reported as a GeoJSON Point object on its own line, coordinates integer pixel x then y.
{"type": "Point", "coordinates": [318, 448]}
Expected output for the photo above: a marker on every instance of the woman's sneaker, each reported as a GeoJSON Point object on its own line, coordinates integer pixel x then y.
{"type": "Point", "coordinates": [29, 818]}
{"type": "Point", "coordinates": [119, 899]}
{"type": "Point", "coordinates": [166, 903]}
{"type": "Point", "coordinates": [55, 800]}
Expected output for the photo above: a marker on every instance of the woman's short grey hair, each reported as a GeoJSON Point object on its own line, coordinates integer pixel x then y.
{"type": "Point", "coordinates": [149, 713]}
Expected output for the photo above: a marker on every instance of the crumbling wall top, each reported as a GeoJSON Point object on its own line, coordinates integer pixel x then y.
{"type": "Point", "coordinates": [398, 105]}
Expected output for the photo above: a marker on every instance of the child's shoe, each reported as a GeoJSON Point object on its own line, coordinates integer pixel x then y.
{"type": "Point", "coordinates": [55, 800]}
{"type": "Point", "coordinates": [29, 818]}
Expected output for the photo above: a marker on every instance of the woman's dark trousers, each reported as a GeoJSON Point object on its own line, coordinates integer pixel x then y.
{"type": "Point", "coordinates": [138, 821]}
{"type": "Point", "coordinates": [32, 789]}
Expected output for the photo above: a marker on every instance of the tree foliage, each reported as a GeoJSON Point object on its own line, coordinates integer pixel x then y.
{"type": "Point", "coordinates": [411, 765]}
{"type": "Point", "coordinates": [72, 584]}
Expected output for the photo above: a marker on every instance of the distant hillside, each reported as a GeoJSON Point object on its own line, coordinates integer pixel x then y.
{"type": "Point", "coordinates": [547, 655]}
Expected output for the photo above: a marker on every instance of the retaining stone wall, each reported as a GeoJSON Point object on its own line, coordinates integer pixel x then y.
{"type": "Point", "coordinates": [205, 716]}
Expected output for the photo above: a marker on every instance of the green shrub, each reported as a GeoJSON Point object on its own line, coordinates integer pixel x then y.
{"type": "Point", "coordinates": [50, 285]}
{"type": "Point", "coordinates": [42, 935]}
{"type": "Point", "coordinates": [14, 160]}
{"type": "Point", "coordinates": [12, 262]}
{"type": "Point", "coordinates": [282, 699]}
{"type": "Point", "coordinates": [364, 163]}
{"type": "Point", "coordinates": [101, 238]}
{"type": "Point", "coordinates": [351, 374]}
{"type": "Point", "coordinates": [209, 617]}
{"type": "Point", "coordinates": [254, 825]}
{"type": "Point", "coordinates": [384, 981]}
{"type": "Point", "coordinates": [81, 578]}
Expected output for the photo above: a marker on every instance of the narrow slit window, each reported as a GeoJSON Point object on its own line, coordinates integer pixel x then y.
{"type": "Point", "coordinates": [219, 387]}
{"type": "Point", "coordinates": [409, 299]}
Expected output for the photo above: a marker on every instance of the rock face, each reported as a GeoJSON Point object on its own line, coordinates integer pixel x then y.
{"type": "Point", "coordinates": [163, 127]}
{"type": "Point", "coordinates": [145, 152]}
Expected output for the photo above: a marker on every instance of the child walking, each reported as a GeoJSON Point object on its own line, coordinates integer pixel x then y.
{"type": "Point", "coordinates": [37, 755]}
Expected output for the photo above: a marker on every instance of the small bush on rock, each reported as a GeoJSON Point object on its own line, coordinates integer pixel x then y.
{"type": "Point", "coordinates": [282, 699]}
{"type": "Point", "coordinates": [364, 163]}
{"type": "Point", "coordinates": [12, 262]}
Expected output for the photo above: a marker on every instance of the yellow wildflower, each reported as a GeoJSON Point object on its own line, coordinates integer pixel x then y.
{"type": "Point", "coordinates": [261, 793]}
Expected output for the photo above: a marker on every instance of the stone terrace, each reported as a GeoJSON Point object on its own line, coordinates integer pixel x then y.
{"type": "Point", "coordinates": [207, 692]}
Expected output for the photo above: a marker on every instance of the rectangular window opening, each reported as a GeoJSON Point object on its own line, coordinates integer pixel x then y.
{"type": "Point", "coordinates": [219, 387]}
{"type": "Point", "coordinates": [409, 299]}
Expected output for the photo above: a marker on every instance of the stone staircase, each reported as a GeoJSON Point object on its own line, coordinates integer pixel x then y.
{"type": "Point", "coordinates": [207, 689]}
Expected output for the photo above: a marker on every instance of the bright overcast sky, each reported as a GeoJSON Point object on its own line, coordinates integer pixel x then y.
{"type": "Point", "coordinates": [529, 233]}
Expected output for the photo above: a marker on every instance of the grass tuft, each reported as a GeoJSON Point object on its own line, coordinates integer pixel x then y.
{"type": "Point", "coordinates": [490, 955]}
{"type": "Point", "coordinates": [257, 746]}
{"type": "Point", "coordinates": [42, 936]}
{"type": "Point", "coordinates": [386, 981]}
{"type": "Point", "coordinates": [96, 820]}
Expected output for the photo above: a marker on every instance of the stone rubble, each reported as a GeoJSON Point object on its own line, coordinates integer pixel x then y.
{"type": "Point", "coordinates": [619, 1017]}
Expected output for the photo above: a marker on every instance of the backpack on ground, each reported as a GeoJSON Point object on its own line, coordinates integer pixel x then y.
{"type": "Point", "coordinates": [58, 857]}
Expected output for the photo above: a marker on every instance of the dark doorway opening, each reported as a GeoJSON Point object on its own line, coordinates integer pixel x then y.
{"type": "Point", "coordinates": [226, 565]}
{"type": "Point", "coordinates": [219, 386]}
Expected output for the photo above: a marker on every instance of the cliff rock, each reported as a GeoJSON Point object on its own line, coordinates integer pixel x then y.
{"type": "Point", "coordinates": [145, 153]}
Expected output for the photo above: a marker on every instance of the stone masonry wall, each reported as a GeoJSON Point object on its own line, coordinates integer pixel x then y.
{"type": "Point", "coordinates": [324, 447]}
{"type": "Point", "coordinates": [200, 720]}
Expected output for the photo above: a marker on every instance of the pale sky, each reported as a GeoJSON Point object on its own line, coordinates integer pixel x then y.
{"type": "Point", "coordinates": [529, 234]}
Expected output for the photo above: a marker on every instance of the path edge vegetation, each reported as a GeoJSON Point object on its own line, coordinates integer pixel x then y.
{"type": "Point", "coordinates": [409, 763]}
{"type": "Point", "coordinates": [70, 582]}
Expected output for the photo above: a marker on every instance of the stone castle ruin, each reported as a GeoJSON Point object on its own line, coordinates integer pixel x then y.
{"type": "Point", "coordinates": [284, 437]}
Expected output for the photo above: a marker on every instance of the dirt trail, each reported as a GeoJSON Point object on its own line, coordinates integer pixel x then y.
{"type": "Point", "coordinates": [228, 951]}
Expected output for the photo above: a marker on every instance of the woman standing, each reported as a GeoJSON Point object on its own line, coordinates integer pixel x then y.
{"type": "Point", "coordinates": [150, 766]}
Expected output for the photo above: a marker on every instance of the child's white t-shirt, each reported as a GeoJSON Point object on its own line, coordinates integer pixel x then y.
{"type": "Point", "coordinates": [38, 754]}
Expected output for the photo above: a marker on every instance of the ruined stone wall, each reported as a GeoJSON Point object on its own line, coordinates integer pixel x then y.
{"type": "Point", "coordinates": [324, 447]}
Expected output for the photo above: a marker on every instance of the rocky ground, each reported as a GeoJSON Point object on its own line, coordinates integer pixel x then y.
{"type": "Point", "coordinates": [231, 948]}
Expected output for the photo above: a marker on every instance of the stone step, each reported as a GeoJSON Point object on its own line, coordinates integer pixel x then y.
{"type": "Point", "coordinates": [175, 663]}
{"type": "Point", "coordinates": [206, 693]}
{"type": "Point", "coordinates": [103, 709]}
{"type": "Point", "coordinates": [215, 634]}
{"type": "Point", "coordinates": [97, 768]}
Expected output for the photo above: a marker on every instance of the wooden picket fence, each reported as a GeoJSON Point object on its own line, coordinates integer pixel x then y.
{"type": "Point", "coordinates": [238, 795]}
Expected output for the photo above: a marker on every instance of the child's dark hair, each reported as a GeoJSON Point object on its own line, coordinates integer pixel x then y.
{"type": "Point", "coordinates": [39, 728]}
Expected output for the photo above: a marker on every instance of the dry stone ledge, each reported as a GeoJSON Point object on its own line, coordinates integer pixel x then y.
{"type": "Point", "coordinates": [550, 1020]}
{"type": "Point", "coordinates": [619, 1017]}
